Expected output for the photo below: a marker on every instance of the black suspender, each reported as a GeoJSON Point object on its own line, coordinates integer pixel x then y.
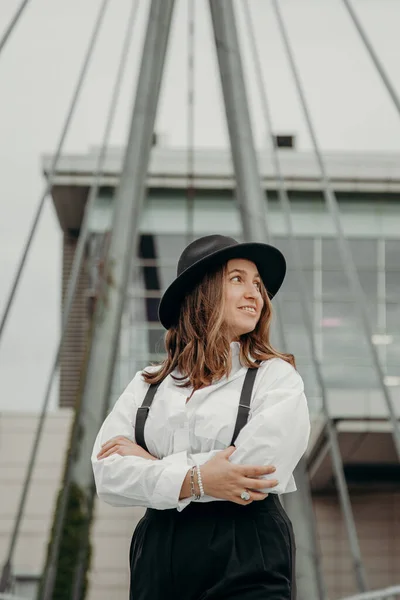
{"type": "Point", "coordinates": [244, 403]}
{"type": "Point", "coordinates": [142, 413]}
{"type": "Point", "coordinates": [241, 419]}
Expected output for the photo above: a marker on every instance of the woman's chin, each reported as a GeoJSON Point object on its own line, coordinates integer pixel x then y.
{"type": "Point", "coordinates": [242, 330]}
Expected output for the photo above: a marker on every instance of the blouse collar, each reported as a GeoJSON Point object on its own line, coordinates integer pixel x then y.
{"type": "Point", "coordinates": [236, 367]}
{"type": "Point", "coordinates": [235, 354]}
{"type": "Point", "coordinates": [235, 348]}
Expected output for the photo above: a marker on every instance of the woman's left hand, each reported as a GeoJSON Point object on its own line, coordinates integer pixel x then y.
{"type": "Point", "coordinates": [124, 447]}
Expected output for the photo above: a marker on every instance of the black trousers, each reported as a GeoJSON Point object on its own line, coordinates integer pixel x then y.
{"type": "Point", "coordinates": [214, 551]}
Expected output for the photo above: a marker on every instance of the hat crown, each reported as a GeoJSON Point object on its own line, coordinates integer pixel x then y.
{"type": "Point", "coordinates": [209, 252]}
{"type": "Point", "coordinates": [201, 248]}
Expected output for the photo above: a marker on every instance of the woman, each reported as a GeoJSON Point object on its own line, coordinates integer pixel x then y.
{"type": "Point", "coordinates": [209, 439]}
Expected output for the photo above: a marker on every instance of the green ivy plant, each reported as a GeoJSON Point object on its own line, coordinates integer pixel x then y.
{"type": "Point", "coordinates": [75, 537]}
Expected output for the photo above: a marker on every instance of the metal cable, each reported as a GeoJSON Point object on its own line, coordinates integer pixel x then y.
{"type": "Point", "coordinates": [343, 245]}
{"type": "Point", "coordinates": [49, 579]}
{"type": "Point", "coordinates": [305, 307]}
{"type": "Point", "coordinates": [12, 24]}
{"type": "Point", "coordinates": [105, 326]}
{"type": "Point", "coordinates": [249, 189]}
{"type": "Point", "coordinates": [54, 162]}
{"type": "Point", "coordinates": [190, 120]}
{"type": "Point", "coordinates": [384, 76]}
{"type": "Point", "coordinates": [75, 270]}
{"type": "Point", "coordinates": [79, 578]}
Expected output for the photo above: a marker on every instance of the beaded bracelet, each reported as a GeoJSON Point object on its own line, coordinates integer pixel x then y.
{"type": "Point", "coordinates": [192, 488]}
{"type": "Point", "coordinates": [200, 481]}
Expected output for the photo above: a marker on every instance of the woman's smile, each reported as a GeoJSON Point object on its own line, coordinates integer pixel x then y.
{"type": "Point", "coordinates": [249, 309]}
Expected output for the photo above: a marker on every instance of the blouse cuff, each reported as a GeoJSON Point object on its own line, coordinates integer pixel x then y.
{"type": "Point", "coordinates": [200, 458]}
{"type": "Point", "coordinates": [169, 484]}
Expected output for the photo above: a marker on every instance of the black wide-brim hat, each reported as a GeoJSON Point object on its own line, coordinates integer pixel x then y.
{"type": "Point", "coordinates": [212, 251]}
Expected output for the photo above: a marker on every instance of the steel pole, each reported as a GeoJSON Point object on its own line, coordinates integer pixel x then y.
{"type": "Point", "coordinates": [109, 308]}
{"type": "Point", "coordinates": [305, 304]}
{"type": "Point", "coordinates": [69, 297]}
{"type": "Point", "coordinates": [251, 197]}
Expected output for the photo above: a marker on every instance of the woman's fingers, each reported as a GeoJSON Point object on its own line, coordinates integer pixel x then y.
{"type": "Point", "coordinates": [111, 444]}
{"type": "Point", "coordinates": [118, 439]}
{"type": "Point", "coordinates": [116, 449]}
{"type": "Point", "coordinates": [104, 451]}
{"type": "Point", "coordinates": [260, 484]}
{"type": "Point", "coordinates": [124, 447]}
{"type": "Point", "coordinates": [256, 471]}
{"type": "Point", "coordinates": [226, 452]}
{"type": "Point", "coordinates": [257, 495]}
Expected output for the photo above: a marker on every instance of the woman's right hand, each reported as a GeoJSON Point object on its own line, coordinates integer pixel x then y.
{"type": "Point", "coordinates": [225, 480]}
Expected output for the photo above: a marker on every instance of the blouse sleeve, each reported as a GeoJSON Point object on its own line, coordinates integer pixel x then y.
{"type": "Point", "coordinates": [133, 480]}
{"type": "Point", "coordinates": [278, 428]}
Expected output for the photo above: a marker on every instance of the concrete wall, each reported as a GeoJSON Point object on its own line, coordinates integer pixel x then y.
{"type": "Point", "coordinates": [16, 438]}
{"type": "Point", "coordinates": [377, 515]}
{"type": "Point", "coordinates": [113, 527]}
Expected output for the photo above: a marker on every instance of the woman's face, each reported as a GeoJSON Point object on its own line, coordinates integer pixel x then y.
{"type": "Point", "coordinates": [243, 300]}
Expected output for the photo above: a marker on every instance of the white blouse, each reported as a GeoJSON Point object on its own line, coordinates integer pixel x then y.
{"type": "Point", "coordinates": [182, 434]}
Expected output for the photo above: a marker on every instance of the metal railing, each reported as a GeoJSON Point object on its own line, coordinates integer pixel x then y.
{"type": "Point", "coordinates": [10, 597]}
{"type": "Point", "coordinates": [390, 593]}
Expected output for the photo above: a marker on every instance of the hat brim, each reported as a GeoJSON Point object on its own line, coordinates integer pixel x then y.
{"type": "Point", "coordinates": [269, 260]}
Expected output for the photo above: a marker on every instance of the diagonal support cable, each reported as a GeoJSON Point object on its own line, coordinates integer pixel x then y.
{"type": "Point", "coordinates": [13, 23]}
{"type": "Point", "coordinates": [73, 280]}
{"type": "Point", "coordinates": [307, 318]}
{"type": "Point", "coordinates": [375, 59]}
{"type": "Point", "coordinates": [103, 344]}
{"type": "Point", "coordinates": [54, 162]}
{"type": "Point", "coordinates": [79, 578]}
{"type": "Point", "coordinates": [343, 245]}
{"type": "Point", "coordinates": [251, 197]}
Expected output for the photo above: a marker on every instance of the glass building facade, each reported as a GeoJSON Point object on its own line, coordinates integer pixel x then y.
{"type": "Point", "coordinates": [370, 224]}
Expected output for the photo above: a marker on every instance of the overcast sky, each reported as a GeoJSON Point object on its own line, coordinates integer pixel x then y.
{"type": "Point", "coordinates": [39, 67]}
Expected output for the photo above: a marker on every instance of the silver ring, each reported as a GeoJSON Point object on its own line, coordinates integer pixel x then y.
{"type": "Point", "coordinates": [245, 495]}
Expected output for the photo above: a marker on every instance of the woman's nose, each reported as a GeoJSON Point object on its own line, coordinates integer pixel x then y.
{"type": "Point", "coordinates": [250, 292]}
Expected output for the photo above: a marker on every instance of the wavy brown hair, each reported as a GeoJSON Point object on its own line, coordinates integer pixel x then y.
{"type": "Point", "coordinates": [198, 346]}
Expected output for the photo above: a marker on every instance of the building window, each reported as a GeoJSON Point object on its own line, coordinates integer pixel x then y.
{"type": "Point", "coordinates": [337, 329]}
